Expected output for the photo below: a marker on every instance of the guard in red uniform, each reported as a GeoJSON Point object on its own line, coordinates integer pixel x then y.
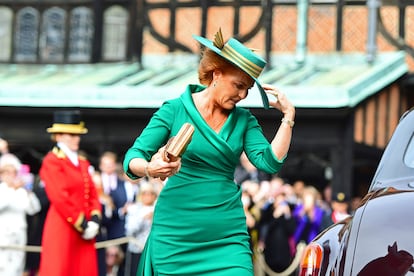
{"type": "Point", "coordinates": [72, 222]}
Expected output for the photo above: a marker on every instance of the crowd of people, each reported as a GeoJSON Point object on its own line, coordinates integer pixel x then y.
{"type": "Point", "coordinates": [279, 214]}
{"type": "Point", "coordinates": [69, 206]}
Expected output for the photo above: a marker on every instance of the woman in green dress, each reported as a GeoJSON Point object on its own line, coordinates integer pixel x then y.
{"type": "Point", "coordinates": [199, 227]}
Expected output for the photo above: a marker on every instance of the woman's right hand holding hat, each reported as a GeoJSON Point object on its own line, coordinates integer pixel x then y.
{"type": "Point", "coordinates": [281, 141]}
{"type": "Point", "coordinates": [281, 102]}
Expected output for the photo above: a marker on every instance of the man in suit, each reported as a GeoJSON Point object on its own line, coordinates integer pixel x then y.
{"type": "Point", "coordinates": [122, 194]}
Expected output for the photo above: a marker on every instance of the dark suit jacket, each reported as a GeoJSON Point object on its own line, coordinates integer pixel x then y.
{"type": "Point", "coordinates": [116, 226]}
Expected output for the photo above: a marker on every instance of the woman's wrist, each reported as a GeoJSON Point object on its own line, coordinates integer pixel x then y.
{"type": "Point", "coordinates": [146, 172]}
{"type": "Point", "coordinates": [287, 121]}
{"type": "Point", "coordinates": [289, 114]}
{"type": "Point", "coordinates": [289, 117]}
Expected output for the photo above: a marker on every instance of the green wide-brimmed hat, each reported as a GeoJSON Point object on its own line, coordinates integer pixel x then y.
{"type": "Point", "coordinates": [240, 56]}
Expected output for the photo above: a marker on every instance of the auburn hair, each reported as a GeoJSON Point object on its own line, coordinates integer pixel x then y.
{"type": "Point", "coordinates": [209, 62]}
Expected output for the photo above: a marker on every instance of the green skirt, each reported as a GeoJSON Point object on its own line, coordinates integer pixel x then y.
{"type": "Point", "coordinates": [199, 228]}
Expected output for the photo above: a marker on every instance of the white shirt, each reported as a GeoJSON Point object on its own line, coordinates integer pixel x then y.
{"type": "Point", "coordinates": [109, 182]}
{"type": "Point", "coordinates": [72, 155]}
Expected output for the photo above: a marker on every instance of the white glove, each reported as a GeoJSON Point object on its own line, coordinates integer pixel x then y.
{"type": "Point", "coordinates": [91, 230]}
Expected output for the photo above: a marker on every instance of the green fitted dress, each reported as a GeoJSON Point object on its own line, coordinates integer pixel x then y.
{"type": "Point", "coordinates": [199, 227]}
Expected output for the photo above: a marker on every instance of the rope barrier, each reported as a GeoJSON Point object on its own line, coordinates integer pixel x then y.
{"type": "Point", "coordinates": [27, 248]}
{"type": "Point", "coordinates": [98, 245]}
{"type": "Point", "coordinates": [103, 244]}
{"type": "Point", "coordinates": [289, 270]}
{"type": "Point", "coordinates": [117, 241]}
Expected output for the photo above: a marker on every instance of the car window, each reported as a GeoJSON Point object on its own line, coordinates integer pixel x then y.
{"type": "Point", "coordinates": [409, 154]}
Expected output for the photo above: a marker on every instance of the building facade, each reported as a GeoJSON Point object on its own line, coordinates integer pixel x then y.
{"type": "Point", "coordinates": [342, 64]}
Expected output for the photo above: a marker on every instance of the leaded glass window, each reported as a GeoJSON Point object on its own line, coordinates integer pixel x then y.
{"type": "Point", "coordinates": [26, 35]}
{"type": "Point", "coordinates": [52, 38]}
{"type": "Point", "coordinates": [6, 17]}
{"type": "Point", "coordinates": [115, 33]}
{"type": "Point", "coordinates": [81, 35]}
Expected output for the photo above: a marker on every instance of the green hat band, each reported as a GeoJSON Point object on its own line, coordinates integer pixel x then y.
{"type": "Point", "coordinates": [232, 51]}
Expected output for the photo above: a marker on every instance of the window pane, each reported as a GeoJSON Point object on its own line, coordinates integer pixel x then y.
{"type": "Point", "coordinates": [26, 34]}
{"type": "Point", "coordinates": [115, 33]}
{"type": "Point", "coordinates": [81, 35]}
{"type": "Point", "coordinates": [52, 39]}
{"type": "Point", "coordinates": [6, 17]}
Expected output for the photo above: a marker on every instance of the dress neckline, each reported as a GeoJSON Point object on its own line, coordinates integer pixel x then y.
{"type": "Point", "coordinates": [221, 131]}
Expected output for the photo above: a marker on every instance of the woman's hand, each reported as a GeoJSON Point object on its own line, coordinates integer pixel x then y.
{"type": "Point", "coordinates": [281, 103]}
{"type": "Point", "coordinates": [283, 137]}
{"type": "Point", "coordinates": [159, 168]}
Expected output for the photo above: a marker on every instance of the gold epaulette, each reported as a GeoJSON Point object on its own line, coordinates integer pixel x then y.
{"type": "Point", "coordinates": [58, 152]}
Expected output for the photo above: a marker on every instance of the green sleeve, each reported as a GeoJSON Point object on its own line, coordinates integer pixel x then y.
{"type": "Point", "coordinates": [154, 136]}
{"type": "Point", "coordinates": [258, 149]}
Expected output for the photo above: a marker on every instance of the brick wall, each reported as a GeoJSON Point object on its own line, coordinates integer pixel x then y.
{"type": "Point", "coordinates": [321, 28]}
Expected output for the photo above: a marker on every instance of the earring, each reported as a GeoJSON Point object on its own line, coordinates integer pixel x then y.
{"type": "Point", "coordinates": [214, 84]}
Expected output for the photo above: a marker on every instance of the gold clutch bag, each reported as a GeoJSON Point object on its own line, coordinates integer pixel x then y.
{"type": "Point", "coordinates": [177, 144]}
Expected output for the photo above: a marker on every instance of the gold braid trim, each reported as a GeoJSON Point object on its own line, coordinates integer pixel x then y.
{"type": "Point", "coordinates": [78, 222]}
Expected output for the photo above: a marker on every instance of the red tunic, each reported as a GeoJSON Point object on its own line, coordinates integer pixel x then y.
{"type": "Point", "coordinates": [73, 199]}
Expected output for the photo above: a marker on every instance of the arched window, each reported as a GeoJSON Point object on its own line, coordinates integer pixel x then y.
{"type": "Point", "coordinates": [68, 31]}
{"type": "Point", "coordinates": [115, 33]}
{"type": "Point", "coordinates": [26, 35]}
{"type": "Point", "coordinates": [6, 19]}
{"type": "Point", "coordinates": [81, 35]}
{"type": "Point", "coordinates": [52, 37]}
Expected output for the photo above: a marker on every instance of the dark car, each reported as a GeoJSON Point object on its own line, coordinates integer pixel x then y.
{"type": "Point", "coordinates": [378, 239]}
